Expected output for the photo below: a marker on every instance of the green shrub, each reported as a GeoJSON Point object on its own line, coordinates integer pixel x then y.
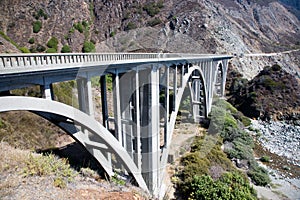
{"type": "Point", "coordinates": [259, 176]}
{"type": "Point", "coordinates": [51, 50]}
{"type": "Point", "coordinates": [160, 4]}
{"type": "Point", "coordinates": [24, 50]}
{"type": "Point", "coordinates": [154, 22]}
{"type": "Point", "coordinates": [36, 26]}
{"type": "Point", "coordinates": [79, 27]}
{"type": "Point", "coordinates": [152, 8]}
{"type": "Point", "coordinates": [276, 68]}
{"type": "Point", "coordinates": [112, 34]}
{"type": "Point", "coordinates": [130, 26]}
{"type": "Point", "coordinates": [229, 186]}
{"type": "Point", "coordinates": [85, 24]}
{"type": "Point", "coordinates": [265, 159]}
{"type": "Point", "coordinates": [72, 30]}
{"type": "Point", "coordinates": [33, 50]}
{"type": "Point", "coordinates": [40, 48]}
{"type": "Point", "coordinates": [270, 84]}
{"type": "Point", "coordinates": [38, 165]}
{"type": "Point", "coordinates": [52, 43]}
{"type": "Point", "coordinates": [64, 92]}
{"type": "Point", "coordinates": [1, 123]}
{"type": "Point", "coordinates": [66, 49]}
{"type": "Point", "coordinates": [9, 39]}
{"type": "Point", "coordinates": [40, 13]}
{"type": "Point", "coordinates": [31, 41]}
{"type": "Point", "coordinates": [88, 47]}
{"type": "Point", "coordinates": [117, 180]}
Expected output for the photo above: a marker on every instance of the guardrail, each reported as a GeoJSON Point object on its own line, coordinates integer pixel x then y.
{"type": "Point", "coordinates": [13, 62]}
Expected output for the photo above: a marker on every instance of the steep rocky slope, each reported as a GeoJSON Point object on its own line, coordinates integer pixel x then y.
{"type": "Point", "coordinates": [272, 94]}
{"type": "Point", "coordinates": [222, 26]}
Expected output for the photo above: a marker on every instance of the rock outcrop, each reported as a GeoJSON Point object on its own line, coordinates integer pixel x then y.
{"type": "Point", "coordinates": [272, 94]}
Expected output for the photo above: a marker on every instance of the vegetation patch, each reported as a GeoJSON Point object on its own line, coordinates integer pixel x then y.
{"type": "Point", "coordinates": [130, 26]}
{"type": "Point", "coordinates": [53, 43]}
{"type": "Point", "coordinates": [9, 39]}
{"type": "Point", "coordinates": [231, 185]}
{"type": "Point", "coordinates": [36, 26]}
{"type": "Point", "coordinates": [64, 93]}
{"type": "Point", "coordinates": [255, 98]}
{"type": "Point", "coordinates": [31, 41]}
{"type": "Point", "coordinates": [24, 50]}
{"type": "Point", "coordinates": [154, 22]}
{"type": "Point", "coordinates": [51, 50]}
{"type": "Point", "coordinates": [153, 8]}
{"type": "Point", "coordinates": [208, 172]}
{"type": "Point", "coordinates": [66, 49]}
{"type": "Point", "coordinates": [88, 47]}
{"type": "Point", "coordinates": [40, 13]}
{"type": "Point", "coordinates": [49, 165]}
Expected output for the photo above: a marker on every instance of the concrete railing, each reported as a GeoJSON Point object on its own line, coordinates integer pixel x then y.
{"type": "Point", "coordinates": [15, 62]}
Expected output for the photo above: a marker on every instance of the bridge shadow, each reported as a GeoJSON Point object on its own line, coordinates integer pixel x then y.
{"type": "Point", "coordinates": [78, 158]}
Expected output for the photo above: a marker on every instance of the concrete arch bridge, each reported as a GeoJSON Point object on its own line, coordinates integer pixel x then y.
{"type": "Point", "coordinates": [147, 91]}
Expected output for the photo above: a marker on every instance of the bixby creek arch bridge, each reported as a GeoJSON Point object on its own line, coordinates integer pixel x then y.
{"type": "Point", "coordinates": [147, 91]}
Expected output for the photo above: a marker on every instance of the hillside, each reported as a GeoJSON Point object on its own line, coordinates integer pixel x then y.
{"type": "Point", "coordinates": [272, 94]}
{"type": "Point", "coordinates": [224, 26]}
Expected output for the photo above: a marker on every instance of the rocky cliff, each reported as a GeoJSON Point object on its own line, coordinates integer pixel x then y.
{"type": "Point", "coordinates": [272, 94]}
{"type": "Point", "coordinates": [223, 26]}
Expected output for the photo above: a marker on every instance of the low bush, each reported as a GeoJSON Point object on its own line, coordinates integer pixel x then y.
{"type": "Point", "coordinates": [40, 13]}
{"type": "Point", "coordinates": [79, 27]}
{"type": "Point", "coordinates": [52, 43]}
{"type": "Point", "coordinates": [265, 159]}
{"type": "Point", "coordinates": [154, 22]}
{"type": "Point", "coordinates": [130, 26]}
{"type": "Point", "coordinates": [24, 50]}
{"type": "Point", "coordinates": [112, 34]}
{"type": "Point", "coordinates": [66, 49]}
{"type": "Point", "coordinates": [153, 8]}
{"type": "Point", "coordinates": [64, 93]}
{"type": "Point", "coordinates": [259, 176]}
{"type": "Point", "coordinates": [1, 123]}
{"type": "Point", "coordinates": [36, 26]}
{"type": "Point", "coordinates": [38, 165]}
{"type": "Point", "coordinates": [88, 47]}
{"type": "Point", "coordinates": [40, 48]}
{"type": "Point", "coordinates": [51, 50]}
{"type": "Point", "coordinates": [31, 41]}
{"type": "Point", "coordinates": [8, 39]}
{"type": "Point", "coordinates": [229, 186]}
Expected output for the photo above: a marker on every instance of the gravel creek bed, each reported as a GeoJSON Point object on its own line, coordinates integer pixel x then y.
{"type": "Point", "coordinates": [280, 138]}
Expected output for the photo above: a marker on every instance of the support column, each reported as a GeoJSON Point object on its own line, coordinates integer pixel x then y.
{"type": "Point", "coordinates": [117, 106]}
{"type": "Point", "coordinates": [137, 122]}
{"type": "Point", "coordinates": [104, 101]}
{"type": "Point", "coordinates": [151, 129]}
{"type": "Point", "coordinates": [47, 91]}
{"type": "Point", "coordinates": [174, 88]}
{"type": "Point", "coordinates": [167, 107]}
{"type": "Point", "coordinates": [85, 96]}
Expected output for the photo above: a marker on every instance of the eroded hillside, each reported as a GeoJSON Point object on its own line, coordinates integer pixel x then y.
{"type": "Point", "coordinates": [234, 27]}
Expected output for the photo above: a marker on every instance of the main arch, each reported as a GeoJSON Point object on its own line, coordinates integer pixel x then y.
{"type": "Point", "coordinates": [69, 118]}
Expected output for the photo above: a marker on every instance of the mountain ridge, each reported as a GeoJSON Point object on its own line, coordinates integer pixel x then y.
{"type": "Point", "coordinates": [234, 27]}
